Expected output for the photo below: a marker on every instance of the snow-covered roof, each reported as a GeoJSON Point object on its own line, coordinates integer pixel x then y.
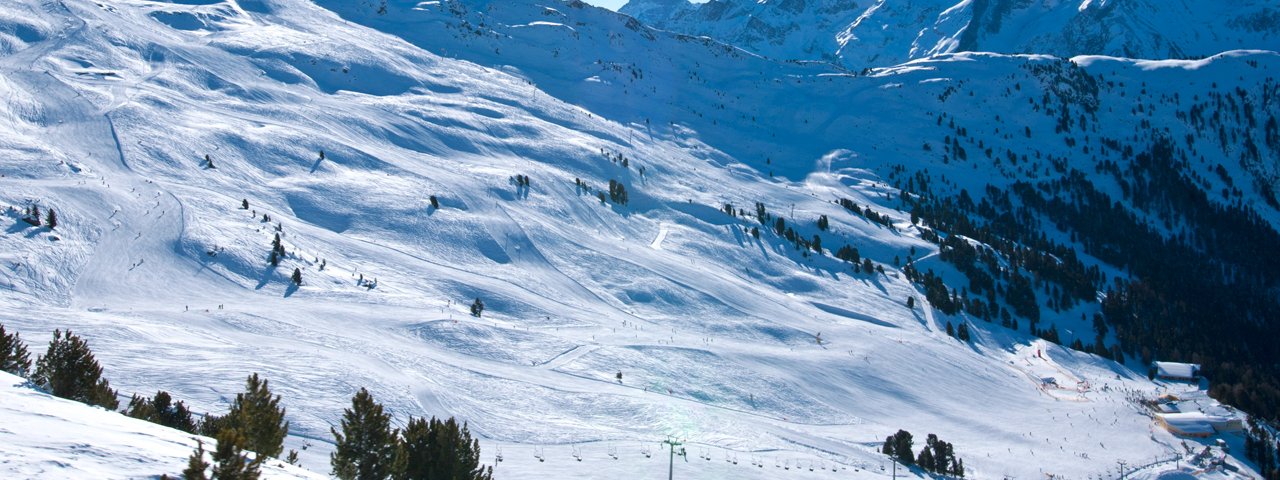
{"type": "Point", "coordinates": [1189, 423]}
{"type": "Point", "coordinates": [1177, 370]}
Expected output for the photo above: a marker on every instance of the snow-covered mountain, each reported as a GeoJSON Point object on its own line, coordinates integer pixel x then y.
{"type": "Point", "coordinates": [149, 125]}
{"type": "Point", "coordinates": [861, 34]}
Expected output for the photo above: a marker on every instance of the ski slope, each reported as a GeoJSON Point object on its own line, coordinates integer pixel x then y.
{"type": "Point", "coordinates": [111, 108]}
{"type": "Point", "coordinates": [48, 437]}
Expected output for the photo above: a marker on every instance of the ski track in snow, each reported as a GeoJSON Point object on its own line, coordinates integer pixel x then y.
{"type": "Point", "coordinates": [662, 235]}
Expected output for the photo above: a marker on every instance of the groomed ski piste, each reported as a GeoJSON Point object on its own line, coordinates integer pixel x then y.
{"type": "Point", "coordinates": [764, 362]}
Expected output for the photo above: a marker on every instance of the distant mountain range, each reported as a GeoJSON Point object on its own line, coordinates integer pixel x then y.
{"type": "Point", "coordinates": [867, 33]}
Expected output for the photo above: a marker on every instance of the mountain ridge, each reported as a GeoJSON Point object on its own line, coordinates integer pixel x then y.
{"type": "Point", "coordinates": [887, 32]}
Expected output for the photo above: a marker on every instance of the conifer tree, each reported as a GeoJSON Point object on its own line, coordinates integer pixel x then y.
{"type": "Point", "coordinates": [366, 446]}
{"type": "Point", "coordinates": [477, 308]}
{"type": "Point", "coordinates": [51, 219]}
{"type": "Point", "coordinates": [925, 459]}
{"type": "Point", "coordinates": [68, 370]}
{"type": "Point", "coordinates": [244, 204]}
{"type": "Point", "coordinates": [962, 332]}
{"type": "Point", "coordinates": [196, 465]}
{"type": "Point", "coordinates": [162, 410]}
{"type": "Point", "coordinates": [34, 217]}
{"type": "Point", "coordinates": [439, 449]}
{"type": "Point", "coordinates": [13, 354]}
{"type": "Point", "coordinates": [230, 461]}
{"type": "Point", "coordinates": [297, 277]}
{"type": "Point", "coordinates": [901, 447]}
{"type": "Point", "coordinates": [257, 416]}
{"type": "Point", "coordinates": [211, 424]}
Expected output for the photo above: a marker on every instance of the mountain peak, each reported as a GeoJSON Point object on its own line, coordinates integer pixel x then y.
{"type": "Point", "coordinates": [870, 34]}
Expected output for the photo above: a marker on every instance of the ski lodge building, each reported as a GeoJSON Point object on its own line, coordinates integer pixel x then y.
{"type": "Point", "coordinates": [1199, 425]}
{"type": "Point", "coordinates": [1183, 372]}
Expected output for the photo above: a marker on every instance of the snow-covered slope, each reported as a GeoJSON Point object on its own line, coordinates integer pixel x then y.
{"type": "Point", "coordinates": [746, 347]}
{"type": "Point", "coordinates": [886, 32]}
{"type": "Point", "coordinates": [43, 436]}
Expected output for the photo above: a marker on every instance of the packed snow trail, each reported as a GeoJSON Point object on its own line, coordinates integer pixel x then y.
{"type": "Point", "coordinates": [662, 235]}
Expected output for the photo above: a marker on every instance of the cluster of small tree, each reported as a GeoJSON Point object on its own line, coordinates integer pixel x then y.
{"type": "Point", "coordinates": [477, 308]}
{"type": "Point", "coordinates": [868, 213]}
{"type": "Point", "coordinates": [823, 223]}
{"type": "Point", "coordinates": [961, 332]}
{"type": "Point", "coordinates": [849, 254]}
{"type": "Point", "coordinates": [1263, 448]}
{"type": "Point", "coordinates": [161, 409]}
{"type": "Point", "coordinates": [617, 158]}
{"type": "Point", "coordinates": [617, 192]}
{"type": "Point", "coordinates": [31, 215]}
{"type": "Point", "coordinates": [368, 448]}
{"type": "Point", "coordinates": [936, 457]}
{"type": "Point", "coordinates": [277, 251]}
{"type": "Point", "coordinates": [521, 180]}
{"type": "Point", "coordinates": [208, 162]}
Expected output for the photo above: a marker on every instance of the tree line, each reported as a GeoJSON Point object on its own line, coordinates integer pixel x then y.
{"type": "Point", "coordinates": [254, 428]}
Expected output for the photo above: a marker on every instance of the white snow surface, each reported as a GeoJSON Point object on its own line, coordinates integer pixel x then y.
{"type": "Point", "coordinates": [110, 108]}
{"type": "Point", "coordinates": [43, 436]}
